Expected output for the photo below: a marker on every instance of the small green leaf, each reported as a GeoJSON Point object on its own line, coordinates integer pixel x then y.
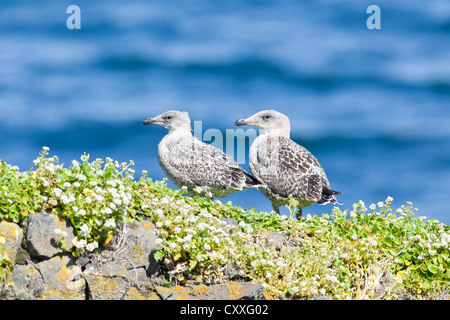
{"type": "Point", "coordinates": [393, 251]}
{"type": "Point", "coordinates": [159, 254]}
{"type": "Point", "coordinates": [432, 268]}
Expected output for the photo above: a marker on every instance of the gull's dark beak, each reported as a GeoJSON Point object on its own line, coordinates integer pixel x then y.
{"type": "Point", "coordinates": [242, 122]}
{"type": "Point", "coordinates": [149, 121]}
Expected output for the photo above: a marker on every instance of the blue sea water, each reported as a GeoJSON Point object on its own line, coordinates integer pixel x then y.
{"type": "Point", "coordinates": [372, 105]}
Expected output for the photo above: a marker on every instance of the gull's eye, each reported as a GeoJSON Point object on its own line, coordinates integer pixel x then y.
{"type": "Point", "coordinates": [266, 116]}
{"type": "Point", "coordinates": [167, 117]}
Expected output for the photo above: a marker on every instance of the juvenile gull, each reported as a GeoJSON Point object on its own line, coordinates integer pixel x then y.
{"type": "Point", "coordinates": [190, 162]}
{"type": "Point", "coordinates": [284, 167]}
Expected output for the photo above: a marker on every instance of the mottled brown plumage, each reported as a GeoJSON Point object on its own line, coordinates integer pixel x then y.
{"type": "Point", "coordinates": [284, 167]}
{"type": "Point", "coordinates": [190, 162]}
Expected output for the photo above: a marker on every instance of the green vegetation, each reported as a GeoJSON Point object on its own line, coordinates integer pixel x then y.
{"type": "Point", "coordinates": [342, 255]}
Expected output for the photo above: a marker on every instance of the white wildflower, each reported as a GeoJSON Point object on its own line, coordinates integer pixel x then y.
{"type": "Point", "coordinates": [110, 223]}
{"type": "Point", "coordinates": [92, 246]}
{"type": "Point", "coordinates": [84, 229]}
{"type": "Point", "coordinates": [202, 226]}
{"type": "Point", "coordinates": [65, 199]}
{"type": "Point", "coordinates": [331, 278]}
{"type": "Point", "coordinates": [215, 239]}
{"type": "Point", "coordinates": [198, 189]}
{"type": "Point", "coordinates": [81, 244]}
{"type": "Point", "coordinates": [111, 183]}
{"type": "Point", "coordinates": [57, 192]}
{"type": "Point", "coordinates": [159, 213]}
{"type": "Point", "coordinates": [173, 245]}
{"type": "Point", "coordinates": [45, 183]}
{"type": "Point", "coordinates": [107, 211]}
{"type": "Point", "coordinates": [76, 164]}
{"type": "Point", "coordinates": [99, 198]}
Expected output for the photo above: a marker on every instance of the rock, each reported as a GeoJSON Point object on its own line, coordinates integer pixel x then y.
{"type": "Point", "coordinates": [226, 291]}
{"type": "Point", "coordinates": [28, 282]}
{"type": "Point", "coordinates": [22, 256]}
{"type": "Point", "coordinates": [235, 291]}
{"type": "Point", "coordinates": [63, 279]}
{"type": "Point", "coordinates": [13, 236]}
{"type": "Point", "coordinates": [128, 275]}
{"type": "Point", "coordinates": [280, 240]}
{"type": "Point", "coordinates": [109, 282]}
{"type": "Point", "coordinates": [140, 246]}
{"type": "Point", "coordinates": [135, 294]}
{"type": "Point", "coordinates": [230, 221]}
{"type": "Point", "coordinates": [40, 237]}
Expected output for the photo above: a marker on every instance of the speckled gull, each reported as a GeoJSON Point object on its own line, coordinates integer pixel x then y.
{"type": "Point", "coordinates": [284, 167]}
{"type": "Point", "coordinates": [190, 162]}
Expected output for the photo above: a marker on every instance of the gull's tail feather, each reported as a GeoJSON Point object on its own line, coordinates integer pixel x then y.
{"type": "Point", "coordinates": [328, 196]}
{"type": "Point", "coordinates": [251, 181]}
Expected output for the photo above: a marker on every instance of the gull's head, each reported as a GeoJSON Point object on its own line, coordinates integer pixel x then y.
{"type": "Point", "coordinates": [171, 120]}
{"type": "Point", "coordinates": [270, 121]}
